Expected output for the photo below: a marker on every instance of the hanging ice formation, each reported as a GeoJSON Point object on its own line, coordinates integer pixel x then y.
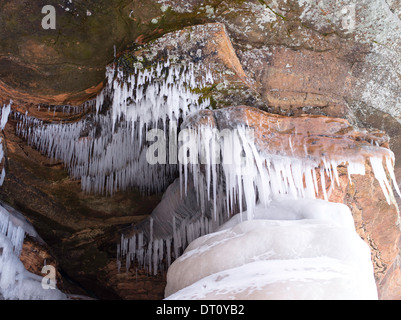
{"type": "Point", "coordinates": [8, 227]}
{"type": "Point", "coordinates": [15, 233]}
{"type": "Point", "coordinates": [224, 173]}
{"type": "Point", "coordinates": [5, 111]}
{"type": "Point", "coordinates": [175, 222]}
{"type": "Point", "coordinates": [14, 226]}
{"type": "Point", "coordinates": [107, 150]}
{"type": "Point", "coordinates": [231, 157]}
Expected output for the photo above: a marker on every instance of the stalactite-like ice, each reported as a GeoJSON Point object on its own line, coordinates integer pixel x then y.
{"type": "Point", "coordinates": [5, 112]}
{"type": "Point", "coordinates": [4, 115]}
{"type": "Point", "coordinates": [15, 233]}
{"type": "Point", "coordinates": [14, 226]}
{"type": "Point", "coordinates": [107, 151]}
{"type": "Point", "coordinates": [175, 223]}
{"type": "Point", "coordinates": [381, 176]}
{"type": "Point", "coordinates": [249, 175]}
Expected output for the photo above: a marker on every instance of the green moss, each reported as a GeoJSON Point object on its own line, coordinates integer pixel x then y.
{"type": "Point", "coordinates": [276, 13]}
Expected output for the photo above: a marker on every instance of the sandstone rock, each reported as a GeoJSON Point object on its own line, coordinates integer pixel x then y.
{"type": "Point", "coordinates": [299, 81]}
{"type": "Point", "coordinates": [208, 47]}
{"type": "Point", "coordinates": [302, 136]}
{"type": "Point", "coordinates": [134, 284]}
{"type": "Point", "coordinates": [33, 59]}
{"type": "Point", "coordinates": [36, 255]}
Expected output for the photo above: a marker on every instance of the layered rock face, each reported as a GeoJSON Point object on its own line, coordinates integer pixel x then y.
{"type": "Point", "coordinates": [321, 71]}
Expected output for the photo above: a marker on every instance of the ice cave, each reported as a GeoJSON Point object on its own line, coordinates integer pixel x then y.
{"type": "Point", "coordinates": [200, 150]}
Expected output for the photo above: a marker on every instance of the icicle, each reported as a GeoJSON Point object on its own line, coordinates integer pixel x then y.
{"type": "Point", "coordinates": [390, 169]}
{"type": "Point", "coordinates": [155, 256]}
{"type": "Point", "coordinates": [14, 232]}
{"type": "Point", "coordinates": [4, 115]}
{"type": "Point", "coordinates": [380, 175]}
{"type": "Point", "coordinates": [355, 167]}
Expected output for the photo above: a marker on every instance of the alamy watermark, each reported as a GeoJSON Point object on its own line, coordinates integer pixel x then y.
{"type": "Point", "coordinates": [348, 17]}
{"type": "Point", "coordinates": [205, 145]}
{"type": "Point", "coordinates": [49, 280]}
{"type": "Point", "coordinates": [49, 20]}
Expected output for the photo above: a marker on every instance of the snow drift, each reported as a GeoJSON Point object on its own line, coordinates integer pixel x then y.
{"type": "Point", "coordinates": [292, 249]}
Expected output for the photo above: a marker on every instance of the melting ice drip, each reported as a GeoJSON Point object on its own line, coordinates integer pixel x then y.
{"type": "Point", "coordinates": [107, 151]}
{"type": "Point", "coordinates": [228, 171]}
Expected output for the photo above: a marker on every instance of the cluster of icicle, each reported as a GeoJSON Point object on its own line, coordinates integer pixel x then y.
{"type": "Point", "coordinates": [13, 232]}
{"type": "Point", "coordinates": [250, 176]}
{"type": "Point", "coordinates": [230, 175]}
{"type": "Point", "coordinates": [154, 246]}
{"type": "Point", "coordinates": [107, 151]}
{"type": "Point", "coordinates": [16, 283]}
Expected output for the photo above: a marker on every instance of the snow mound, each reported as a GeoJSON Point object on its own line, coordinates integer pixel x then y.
{"type": "Point", "coordinates": [293, 249]}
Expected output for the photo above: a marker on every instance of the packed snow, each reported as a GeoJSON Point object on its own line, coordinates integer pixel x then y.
{"type": "Point", "coordinates": [293, 249]}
